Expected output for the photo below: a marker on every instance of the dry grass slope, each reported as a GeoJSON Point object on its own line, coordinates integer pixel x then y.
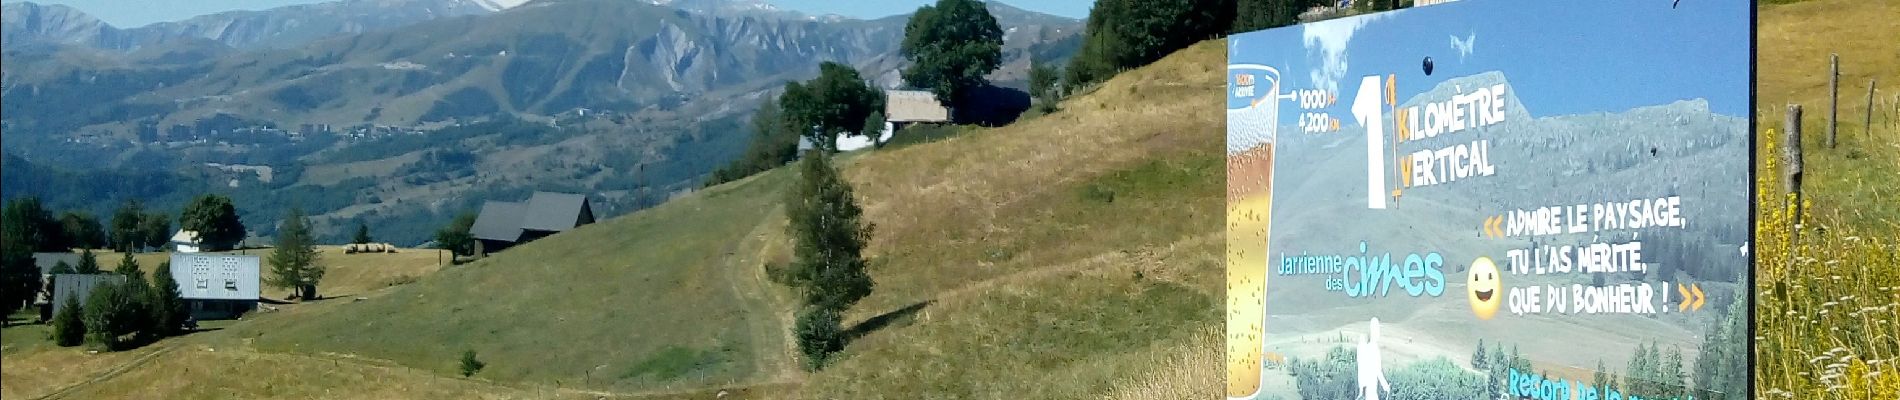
{"type": "Point", "coordinates": [1051, 259]}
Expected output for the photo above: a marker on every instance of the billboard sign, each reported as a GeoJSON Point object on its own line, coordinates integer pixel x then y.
{"type": "Point", "coordinates": [1491, 199]}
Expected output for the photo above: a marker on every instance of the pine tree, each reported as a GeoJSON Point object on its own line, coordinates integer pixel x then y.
{"type": "Point", "coordinates": [820, 332]}
{"type": "Point", "coordinates": [113, 311]}
{"type": "Point", "coordinates": [470, 365]}
{"type": "Point", "coordinates": [829, 269]}
{"type": "Point", "coordinates": [294, 262]}
{"type": "Point", "coordinates": [128, 267]}
{"type": "Point", "coordinates": [88, 263]}
{"type": "Point", "coordinates": [362, 234]}
{"type": "Point", "coordinates": [1477, 359]}
{"type": "Point", "coordinates": [830, 237]}
{"type": "Point", "coordinates": [68, 329]}
{"type": "Point", "coordinates": [1601, 380]}
{"type": "Point", "coordinates": [1636, 376]}
{"type": "Point", "coordinates": [169, 310]}
{"type": "Point", "coordinates": [1669, 384]}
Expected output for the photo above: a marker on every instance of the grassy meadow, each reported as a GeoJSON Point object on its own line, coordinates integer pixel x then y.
{"type": "Point", "coordinates": [1070, 255]}
{"type": "Point", "coordinates": [1828, 278]}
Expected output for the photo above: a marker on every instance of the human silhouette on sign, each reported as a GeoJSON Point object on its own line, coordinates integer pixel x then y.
{"type": "Point", "coordinates": [1371, 372]}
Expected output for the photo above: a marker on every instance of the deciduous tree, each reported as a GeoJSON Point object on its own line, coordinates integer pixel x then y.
{"type": "Point", "coordinates": [215, 220]}
{"type": "Point", "coordinates": [456, 237]}
{"type": "Point", "coordinates": [951, 45]}
{"type": "Point", "coordinates": [127, 227]}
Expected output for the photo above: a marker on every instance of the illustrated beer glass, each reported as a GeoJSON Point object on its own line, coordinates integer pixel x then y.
{"type": "Point", "coordinates": [1253, 99]}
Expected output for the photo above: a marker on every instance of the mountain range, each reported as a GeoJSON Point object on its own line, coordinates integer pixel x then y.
{"type": "Point", "coordinates": [312, 87]}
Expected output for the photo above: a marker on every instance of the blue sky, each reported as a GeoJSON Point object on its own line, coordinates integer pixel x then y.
{"type": "Point", "coordinates": [1561, 58]}
{"type": "Point", "coordinates": [135, 13]}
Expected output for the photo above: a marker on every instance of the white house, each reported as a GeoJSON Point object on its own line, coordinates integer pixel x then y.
{"type": "Point", "coordinates": [186, 241]}
{"type": "Point", "coordinates": [901, 108]}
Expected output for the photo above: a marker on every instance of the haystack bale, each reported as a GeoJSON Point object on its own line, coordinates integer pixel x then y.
{"type": "Point", "coordinates": [389, 248]}
{"type": "Point", "coordinates": [349, 248]}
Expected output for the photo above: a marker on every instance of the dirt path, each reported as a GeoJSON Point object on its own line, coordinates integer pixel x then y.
{"type": "Point", "coordinates": [742, 269]}
{"type": "Point", "coordinates": [112, 373]}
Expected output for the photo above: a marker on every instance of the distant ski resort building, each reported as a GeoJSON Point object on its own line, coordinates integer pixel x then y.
{"type": "Point", "coordinates": [504, 224]}
{"type": "Point", "coordinates": [216, 286]}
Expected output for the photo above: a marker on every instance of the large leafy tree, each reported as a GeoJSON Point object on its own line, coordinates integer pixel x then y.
{"type": "Point", "coordinates": [836, 102]}
{"type": "Point", "coordinates": [215, 220]}
{"type": "Point", "coordinates": [294, 263]}
{"type": "Point", "coordinates": [951, 46]}
{"type": "Point", "coordinates": [1123, 34]}
{"type": "Point", "coordinates": [456, 238]}
{"type": "Point", "coordinates": [156, 230]}
{"type": "Point", "coordinates": [127, 227]}
{"type": "Point", "coordinates": [82, 230]}
{"type": "Point", "coordinates": [1253, 15]}
{"type": "Point", "coordinates": [35, 227]}
{"type": "Point", "coordinates": [1043, 80]}
{"type": "Point", "coordinates": [19, 278]}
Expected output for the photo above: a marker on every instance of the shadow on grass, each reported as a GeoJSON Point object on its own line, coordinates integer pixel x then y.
{"type": "Point", "coordinates": [881, 321]}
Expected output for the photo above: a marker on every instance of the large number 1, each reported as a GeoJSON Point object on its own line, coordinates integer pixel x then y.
{"type": "Point", "coordinates": [1368, 108]}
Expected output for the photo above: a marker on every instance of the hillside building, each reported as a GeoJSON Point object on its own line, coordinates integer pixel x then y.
{"type": "Point", "coordinates": [186, 242]}
{"type": "Point", "coordinates": [77, 286]}
{"type": "Point", "coordinates": [503, 224]}
{"type": "Point", "coordinates": [216, 286]}
{"type": "Point", "coordinates": [901, 108]}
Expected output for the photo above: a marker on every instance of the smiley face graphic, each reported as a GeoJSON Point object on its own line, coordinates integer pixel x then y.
{"type": "Point", "coordinates": [1485, 290]}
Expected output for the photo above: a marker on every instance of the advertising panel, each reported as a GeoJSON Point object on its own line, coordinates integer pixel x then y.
{"type": "Point", "coordinates": [1491, 199]}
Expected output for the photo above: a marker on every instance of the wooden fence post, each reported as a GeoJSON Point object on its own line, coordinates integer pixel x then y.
{"type": "Point", "coordinates": [1833, 96]}
{"type": "Point", "coordinates": [1867, 121]}
{"type": "Point", "coordinates": [1791, 153]}
{"type": "Point", "coordinates": [1791, 176]}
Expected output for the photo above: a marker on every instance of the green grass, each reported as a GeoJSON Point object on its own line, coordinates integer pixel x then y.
{"type": "Point", "coordinates": [580, 307]}
{"type": "Point", "coordinates": [675, 362]}
{"type": "Point", "coordinates": [1066, 256]}
{"type": "Point", "coordinates": [24, 333]}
